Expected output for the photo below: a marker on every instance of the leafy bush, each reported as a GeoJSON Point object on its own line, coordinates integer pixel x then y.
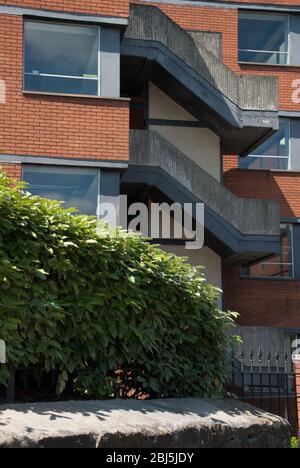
{"type": "Point", "coordinates": [114, 315]}
{"type": "Point", "coordinates": [294, 443]}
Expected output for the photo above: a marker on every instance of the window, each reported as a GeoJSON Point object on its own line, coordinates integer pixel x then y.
{"type": "Point", "coordinates": [77, 188]}
{"type": "Point", "coordinates": [61, 58]}
{"type": "Point", "coordinates": [280, 266]}
{"type": "Point", "coordinates": [273, 153]}
{"type": "Point", "coordinates": [264, 38]}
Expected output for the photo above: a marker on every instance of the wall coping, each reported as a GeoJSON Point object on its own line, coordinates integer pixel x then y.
{"type": "Point", "coordinates": [233, 5]}
{"type": "Point", "coordinates": [61, 15]}
{"type": "Point", "coordinates": [170, 423]}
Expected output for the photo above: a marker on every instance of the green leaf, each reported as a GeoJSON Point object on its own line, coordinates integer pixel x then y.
{"type": "Point", "coordinates": [41, 274]}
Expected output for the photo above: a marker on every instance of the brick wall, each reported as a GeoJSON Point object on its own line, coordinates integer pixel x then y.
{"type": "Point", "coordinates": [12, 170]}
{"type": "Point", "coordinates": [264, 302]}
{"type": "Point", "coordinates": [96, 7]}
{"type": "Point", "coordinates": [283, 187]}
{"type": "Point", "coordinates": [92, 128]}
{"type": "Point", "coordinates": [268, 303]}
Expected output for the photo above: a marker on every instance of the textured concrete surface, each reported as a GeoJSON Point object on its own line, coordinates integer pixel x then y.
{"type": "Point", "coordinates": [249, 216]}
{"type": "Point", "coordinates": [211, 41]}
{"type": "Point", "coordinates": [170, 423]}
{"type": "Point", "coordinates": [247, 91]}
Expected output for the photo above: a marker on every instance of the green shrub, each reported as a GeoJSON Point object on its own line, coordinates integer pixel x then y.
{"type": "Point", "coordinates": [294, 442]}
{"type": "Point", "coordinates": [128, 314]}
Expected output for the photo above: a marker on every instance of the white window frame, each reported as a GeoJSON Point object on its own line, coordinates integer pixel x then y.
{"type": "Point", "coordinates": [74, 25]}
{"type": "Point", "coordinates": [269, 16]}
{"type": "Point", "coordinates": [262, 156]}
{"type": "Point", "coordinates": [292, 264]}
{"type": "Point", "coordinates": [74, 168]}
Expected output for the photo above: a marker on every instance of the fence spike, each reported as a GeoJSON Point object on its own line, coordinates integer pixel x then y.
{"type": "Point", "coordinates": [274, 385]}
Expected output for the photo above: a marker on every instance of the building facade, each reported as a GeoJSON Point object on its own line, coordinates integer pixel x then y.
{"type": "Point", "coordinates": [169, 101]}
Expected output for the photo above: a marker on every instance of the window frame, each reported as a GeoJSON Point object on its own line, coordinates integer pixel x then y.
{"type": "Point", "coordinates": [73, 168]}
{"type": "Point", "coordinates": [70, 24]}
{"type": "Point", "coordinates": [292, 264]}
{"type": "Point", "coordinates": [262, 157]}
{"type": "Point", "coordinates": [287, 29]}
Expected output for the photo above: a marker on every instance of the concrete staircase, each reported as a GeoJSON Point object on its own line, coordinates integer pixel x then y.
{"type": "Point", "coordinates": [250, 92]}
{"type": "Point", "coordinates": [248, 216]}
{"type": "Point", "coordinates": [241, 230]}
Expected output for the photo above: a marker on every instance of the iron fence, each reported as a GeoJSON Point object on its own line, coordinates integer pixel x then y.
{"type": "Point", "coordinates": [28, 384]}
{"type": "Point", "coordinates": [35, 384]}
{"type": "Point", "coordinates": [267, 382]}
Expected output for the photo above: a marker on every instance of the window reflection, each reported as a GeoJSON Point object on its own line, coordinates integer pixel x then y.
{"type": "Point", "coordinates": [61, 58]}
{"type": "Point", "coordinates": [77, 188]}
{"type": "Point", "coordinates": [273, 153]}
{"type": "Point", "coordinates": [279, 266]}
{"type": "Point", "coordinates": [263, 38]}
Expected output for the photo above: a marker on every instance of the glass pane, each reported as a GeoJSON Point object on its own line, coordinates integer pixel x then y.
{"type": "Point", "coordinates": [77, 188]}
{"type": "Point", "coordinates": [268, 269]}
{"type": "Point", "coordinates": [278, 144]}
{"type": "Point", "coordinates": [271, 58]}
{"type": "Point", "coordinates": [280, 266]}
{"type": "Point", "coordinates": [273, 153]}
{"type": "Point", "coordinates": [52, 84]}
{"type": "Point", "coordinates": [60, 49]}
{"type": "Point", "coordinates": [286, 243]}
{"type": "Point", "coordinates": [263, 38]}
{"type": "Point", "coordinates": [256, 162]}
{"type": "Point", "coordinates": [295, 144]}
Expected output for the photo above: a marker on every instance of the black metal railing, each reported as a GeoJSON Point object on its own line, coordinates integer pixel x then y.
{"type": "Point", "coordinates": [267, 382]}
{"type": "Point", "coordinates": [29, 384]}
{"type": "Point", "coordinates": [35, 384]}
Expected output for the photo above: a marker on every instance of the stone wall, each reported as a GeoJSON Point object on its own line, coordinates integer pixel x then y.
{"type": "Point", "coordinates": [171, 423]}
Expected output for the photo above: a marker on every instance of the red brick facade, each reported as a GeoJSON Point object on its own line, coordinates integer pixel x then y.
{"type": "Point", "coordinates": [12, 170]}
{"type": "Point", "coordinates": [95, 7]}
{"type": "Point", "coordinates": [92, 128]}
{"type": "Point", "coordinates": [265, 303]}
{"type": "Point", "coordinates": [282, 187]}
{"type": "Point", "coordinates": [272, 303]}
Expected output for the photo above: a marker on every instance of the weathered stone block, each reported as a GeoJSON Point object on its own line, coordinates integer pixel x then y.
{"type": "Point", "coordinates": [170, 423]}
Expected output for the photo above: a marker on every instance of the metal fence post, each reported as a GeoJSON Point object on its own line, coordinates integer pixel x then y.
{"type": "Point", "coordinates": [2, 352]}
{"type": "Point", "coordinates": [296, 361]}
{"type": "Point", "coordinates": [10, 393]}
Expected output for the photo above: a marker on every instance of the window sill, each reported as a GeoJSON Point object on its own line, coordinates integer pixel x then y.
{"type": "Point", "coordinates": [269, 65]}
{"type": "Point", "coordinates": [78, 96]}
{"type": "Point", "coordinates": [277, 171]}
{"type": "Point", "coordinates": [267, 278]}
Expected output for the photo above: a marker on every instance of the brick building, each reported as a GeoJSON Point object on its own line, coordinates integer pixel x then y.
{"type": "Point", "coordinates": [169, 100]}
